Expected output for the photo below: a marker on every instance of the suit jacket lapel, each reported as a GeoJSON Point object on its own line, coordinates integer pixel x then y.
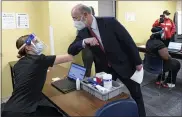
{"type": "Point", "coordinates": [102, 30]}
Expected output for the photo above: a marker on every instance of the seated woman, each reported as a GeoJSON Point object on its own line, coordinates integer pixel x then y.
{"type": "Point", "coordinates": [30, 75]}
{"type": "Point", "coordinates": [155, 46]}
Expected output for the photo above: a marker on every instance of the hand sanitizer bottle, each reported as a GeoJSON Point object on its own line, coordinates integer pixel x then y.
{"type": "Point", "coordinates": [77, 84]}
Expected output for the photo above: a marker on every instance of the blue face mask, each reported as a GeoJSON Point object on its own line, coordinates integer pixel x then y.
{"type": "Point", "coordinates": [39, 47]}
{"type": "Point", "coordinates": [162, 34]}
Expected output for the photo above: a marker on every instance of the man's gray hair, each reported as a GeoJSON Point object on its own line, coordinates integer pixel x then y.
{"type": "Point", "coordinates": [84, 8]}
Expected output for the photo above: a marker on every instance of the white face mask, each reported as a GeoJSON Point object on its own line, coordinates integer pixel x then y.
{"type": "Point", "coordinates": [167, 16]}
{"type": "Point", "coordinates": [79, 24]}
{"type": "Point", "coordinates": [162, 36]}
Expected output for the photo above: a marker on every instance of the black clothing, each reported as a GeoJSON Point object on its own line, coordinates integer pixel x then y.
{"type": "Point", "coordinates": [134, 89]}
{"type": "Point", "coordinates": [172, 65]}
{"type": "Point", "coordinates": [40, 111]}
{"type": "Point", "coordinates": [30, 75]}
{"type": "Point", "coordinates": [88, 59]}
{"type": "Point", "coordinates": [166, 42]}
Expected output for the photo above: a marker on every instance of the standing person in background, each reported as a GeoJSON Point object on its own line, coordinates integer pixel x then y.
{"type": "Point", "coordinates": [168, 25]}
{"type": "Point", "coordinates": [87, 55]}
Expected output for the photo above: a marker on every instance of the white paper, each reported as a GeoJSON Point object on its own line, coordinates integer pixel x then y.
{"type": "Point", "coordinates": [142, 46]}
{"type": "Point", "coordinates": [138, 76]}
{"type": "Point", "coordinates": [22, 20]}
{"type": "Point", "coordinates": [55, 79]}
{"type": "Point", "coordinates": [130, 16]}
{"type": "Point", "coordinates": [8, 21]}
{"type": "Point", "coordinates": [51, 35]}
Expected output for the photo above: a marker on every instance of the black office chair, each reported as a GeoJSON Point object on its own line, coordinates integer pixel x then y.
{"type": "Point", "coordinates": [2, 106]}
{"type": "Point", "coordinates": [154, 64]}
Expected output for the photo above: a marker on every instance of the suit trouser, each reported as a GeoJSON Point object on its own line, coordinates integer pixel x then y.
{"type": "Point", "coordinates": [172, 66]}
{"type": "Point", "coordinates": [134, 89]}
{"type": "Point", "coordinates": [87, 58]}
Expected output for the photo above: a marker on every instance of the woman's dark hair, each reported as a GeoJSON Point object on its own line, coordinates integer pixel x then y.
{"type": "Point", "coordinates": [156, 32]}
{"type": "Point", "coordinates": [20, 41]}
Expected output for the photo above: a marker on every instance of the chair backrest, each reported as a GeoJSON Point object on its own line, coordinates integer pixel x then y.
{"type": "Point", "coordinates": [153, 64]}
{"type": "Point", "coordinates": [119, 108]}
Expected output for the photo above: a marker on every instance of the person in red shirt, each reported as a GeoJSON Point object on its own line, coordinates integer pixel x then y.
{"type": "Point", "coordinates": [168, 26]}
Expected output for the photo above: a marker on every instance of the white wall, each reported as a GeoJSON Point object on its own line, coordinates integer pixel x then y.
{"type": "Point", "coordinates": [179, 5]}
{"type": "Point", "coordinates": [179, 17]}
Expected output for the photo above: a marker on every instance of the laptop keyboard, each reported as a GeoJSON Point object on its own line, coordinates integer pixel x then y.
{"type": "Point", "coordinates": [65, 84]}
{"type": "Point", "coordinates": [69, 83]}
{"type": "Point", "coordinates": [173, 50]}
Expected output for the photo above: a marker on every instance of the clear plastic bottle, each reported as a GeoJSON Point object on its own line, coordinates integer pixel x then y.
{"type": "Point", "coordinates": [77, 84]}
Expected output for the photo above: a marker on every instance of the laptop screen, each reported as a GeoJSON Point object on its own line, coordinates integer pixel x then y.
{"type": "Point", "coordinates": [76, 71]}
{"type": "Point", "coordinates": [174, 45]}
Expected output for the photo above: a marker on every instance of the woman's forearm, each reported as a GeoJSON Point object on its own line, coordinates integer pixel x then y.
{"type": "Point", "coordinates": [63, 59]}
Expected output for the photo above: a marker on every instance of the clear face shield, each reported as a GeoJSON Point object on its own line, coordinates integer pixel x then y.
{"type": "Point", "coordinates": [39, 46]}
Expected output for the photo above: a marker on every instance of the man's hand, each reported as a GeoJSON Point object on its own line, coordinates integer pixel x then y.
{"type": "Point", "coordinates": [139, 67]}
{"type": "Point", "coordinates": [91, 41]}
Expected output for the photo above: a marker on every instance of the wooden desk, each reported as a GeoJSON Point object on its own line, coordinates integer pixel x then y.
{"type": "Point", "coordinates": [142, 48]}
{"type": "Point", "coordinates": [76, 103]}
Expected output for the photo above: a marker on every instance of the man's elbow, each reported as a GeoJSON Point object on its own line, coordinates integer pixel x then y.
{"type": "Point", "coordinates": [72, 51]}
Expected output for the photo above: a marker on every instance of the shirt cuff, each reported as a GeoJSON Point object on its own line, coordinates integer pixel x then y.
{"type": "Point", "coordinates": [83, 44]}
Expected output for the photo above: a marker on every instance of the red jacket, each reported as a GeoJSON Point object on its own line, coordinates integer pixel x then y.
{"type": "Point", "coordinates": [169, 27]}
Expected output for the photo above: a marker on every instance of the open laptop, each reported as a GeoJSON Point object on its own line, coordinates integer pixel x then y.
{"type": "Point", "coordinates": [174, 47]}
{"type": "Point", "coordinates": [68, 84]}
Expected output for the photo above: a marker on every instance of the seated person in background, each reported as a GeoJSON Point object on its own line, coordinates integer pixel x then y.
{"type": "Point", "coordinates": [156, 47]}
{"type": "Point", "coordinates": [30, 75]}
